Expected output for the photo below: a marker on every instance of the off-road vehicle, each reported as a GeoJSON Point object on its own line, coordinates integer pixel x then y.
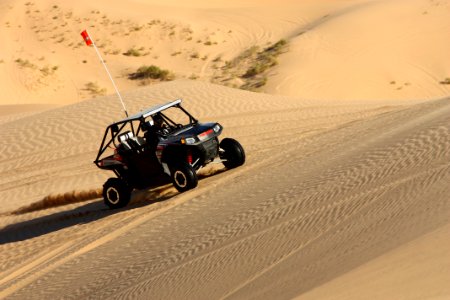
{"type": "Point", "coordinates": [160, 145]}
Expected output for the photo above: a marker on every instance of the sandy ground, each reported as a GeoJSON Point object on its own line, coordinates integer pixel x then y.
{"type": "Point", "coordinates": [340, 50]}
{"type": "Point", "coordinates": [344, 194]}
{"type": "Point", "coordinates": [423, 261]}
{"type": "Point", "coordinates": [329, 193]}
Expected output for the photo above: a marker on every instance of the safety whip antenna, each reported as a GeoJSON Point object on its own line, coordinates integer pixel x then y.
{"type": "Point", "coordinates": [90, 42]}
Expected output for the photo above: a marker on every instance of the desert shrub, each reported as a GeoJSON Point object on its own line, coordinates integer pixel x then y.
{"type": "Point", "coordinates": [254, 70]}
{"type": "Point", "coordinates": [228, 64]}
{"type": "Point", "coordinates": [255, 84]}
{"type": "Point", "coordinates": [25, 63]}
{"type": "Point", "coordinates": [151, 72]}
{"type": "Point", "coordinates": [94, 89]}
{"type": "Point", "coordinates": [136, 28]}
{"type": "Point", "coordinates": [261, 82]}
{"type": "Point", "coordinates": [264, 59]}
{"type": "Point", "coordinates": [446, 81]}
{"type": "Point", "coordinates": [248, 53]}
{"type": "Point", "coordinates": [277, 47]}
{"type": "Point", "coordinates": [132, 52]}
{"type": "Point", "coordinates": [47, 70]}
{"type": "Point", "coordinates": [268, 58]}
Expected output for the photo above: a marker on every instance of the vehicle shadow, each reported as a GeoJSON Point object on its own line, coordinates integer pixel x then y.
{"type": "Point", "coordinates": [85, 214]}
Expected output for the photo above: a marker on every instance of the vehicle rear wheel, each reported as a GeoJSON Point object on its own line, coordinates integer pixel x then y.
{"type": "Point", "coordinates": [233, 155]}
{"type": "Point", "coordinates": [184, 177]}
{"type": "Point", "coordinates": [116, 193]}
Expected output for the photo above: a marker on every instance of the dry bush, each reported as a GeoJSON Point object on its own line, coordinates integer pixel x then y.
{"type": "Point", "coordinates": [151, 72]}
{"type": "Point", "coordinates": [133, 52]}
{"type": "Point", "coordinates": [47, 70]}
{"type": "Point", "coordinates": [445, 81]}
{"type": "Point", "coordinates": [94, 89]}
{"type": "Point", "coordinates": [25, 63]}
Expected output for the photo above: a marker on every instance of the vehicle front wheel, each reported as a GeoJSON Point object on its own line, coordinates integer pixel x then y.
{"type": "Point", "coordinates": [116, 193]}
{"type": "Point", "coordinates": [232, 154]}
{"type": "Point", "coordinates": [184, 177]}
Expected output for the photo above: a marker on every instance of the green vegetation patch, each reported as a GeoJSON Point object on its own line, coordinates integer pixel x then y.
{"type": "Point", "coordinates": [249, 69]}
{"type": "Point", "coordinates": [132, 52]}
{"type": "Point", "coordinates": [151, 72]}
{"type": "Point", "coordinates": [266, 59]}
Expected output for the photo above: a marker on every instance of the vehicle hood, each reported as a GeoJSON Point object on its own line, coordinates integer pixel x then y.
{"type": "Point", "coordinates": [192, 131]}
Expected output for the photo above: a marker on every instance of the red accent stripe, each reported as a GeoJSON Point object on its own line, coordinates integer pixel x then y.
{"type": "Point", "coordinates": [206, 133]}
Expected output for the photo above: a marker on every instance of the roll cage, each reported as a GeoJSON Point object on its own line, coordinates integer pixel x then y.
{"type": "Point", "coordinates": [136, 122]}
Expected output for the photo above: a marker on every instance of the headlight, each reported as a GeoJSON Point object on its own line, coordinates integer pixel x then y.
{"type": "Point", "coordinates": [189, 141]}
{"type": "Point", "coordinates": [216, 128]}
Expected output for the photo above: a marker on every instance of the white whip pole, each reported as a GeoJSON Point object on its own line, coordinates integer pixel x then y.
{"type": "Point", "coordinates": [109, 74]}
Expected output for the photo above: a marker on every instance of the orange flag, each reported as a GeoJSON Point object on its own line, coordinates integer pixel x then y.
{"type": "Point", "coordinates": [86, 37]}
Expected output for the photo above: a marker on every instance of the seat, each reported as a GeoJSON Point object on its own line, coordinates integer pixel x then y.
{"type": "Point", "coordinates": [125, 139]}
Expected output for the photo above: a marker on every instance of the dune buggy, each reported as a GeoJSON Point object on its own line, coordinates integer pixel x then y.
{"type": "Point", "coordinates": [160, 145]}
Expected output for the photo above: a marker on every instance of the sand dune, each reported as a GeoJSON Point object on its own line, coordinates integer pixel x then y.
{"type": "Point", "coordinates": [370, 50]}
{"type": "Point", "coordinates": [46, 152]}
{"type": "Point", "coordinates": [407, 272]}
{"type": "Point", "coordinates": [353, 49]}
{"type": "Point", "coordinates": [344, 194]}
{"type": "Point", "coordinates": [327, 189]}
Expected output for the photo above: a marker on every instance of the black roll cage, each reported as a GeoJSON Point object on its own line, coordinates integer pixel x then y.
{"type": "Point", "coordinates": [115, 129]}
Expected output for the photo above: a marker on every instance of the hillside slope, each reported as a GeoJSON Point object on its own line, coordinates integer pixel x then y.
{"type": "Point", "coordinates": [325, 189]}
{"type": "Point", "coordinates": [342, 50]}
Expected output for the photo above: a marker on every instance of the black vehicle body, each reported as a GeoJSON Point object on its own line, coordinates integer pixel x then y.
{"type": "Point", "coordinates": [179, 147]}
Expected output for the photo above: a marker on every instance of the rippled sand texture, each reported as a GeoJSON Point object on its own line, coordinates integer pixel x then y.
{"type": "Point", "coordinates": [345, 192]}
{"type": "Point", "coordinates": [329, 194]}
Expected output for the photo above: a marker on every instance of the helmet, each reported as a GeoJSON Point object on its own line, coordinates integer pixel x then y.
{"type": "Point", "coordinates": [147, 125]}
{"type": "Point", "coordinates": [157, 120]}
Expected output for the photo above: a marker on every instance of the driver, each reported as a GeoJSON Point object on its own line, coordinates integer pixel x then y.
{"type": "Point", "coordinates": [153, 130]}
{"type": "Point", "coordinates": [158, 122]}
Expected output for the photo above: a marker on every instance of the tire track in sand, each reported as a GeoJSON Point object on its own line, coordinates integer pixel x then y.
{"type": "Point", "coordinates": [136, 219]}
